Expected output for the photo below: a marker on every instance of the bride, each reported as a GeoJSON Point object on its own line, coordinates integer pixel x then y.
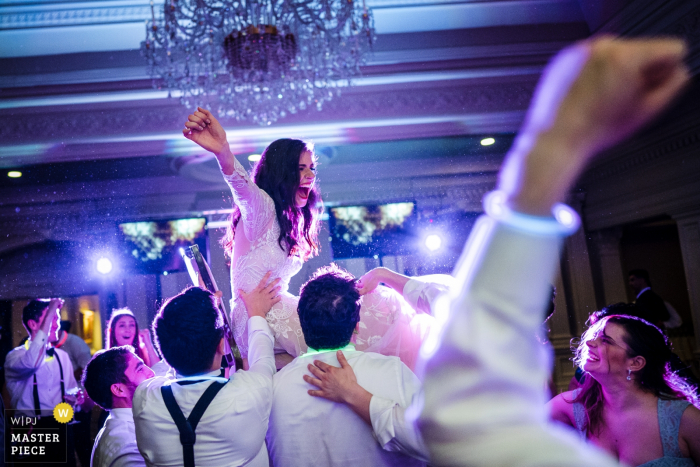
{"type": "Point", "coordinates": [275, 224]}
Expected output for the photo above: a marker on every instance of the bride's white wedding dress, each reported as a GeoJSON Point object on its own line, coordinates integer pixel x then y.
{"type": "Point", "coordinates": [387, 322]}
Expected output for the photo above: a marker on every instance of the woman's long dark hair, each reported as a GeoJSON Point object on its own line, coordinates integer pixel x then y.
{"type": "Point", "coordinates": [112, 337]}
{"type": "Point", "coordinates": [277, 173]}
{"type": "Point", "coordinates": [643, 339]}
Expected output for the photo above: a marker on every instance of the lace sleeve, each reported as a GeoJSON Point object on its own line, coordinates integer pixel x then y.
{"type": "Point", "coordinates": [257, 208]}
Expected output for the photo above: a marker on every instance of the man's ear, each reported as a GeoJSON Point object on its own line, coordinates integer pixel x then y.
{"type": "Point", "coordinates": [119, 390]}
{"type": "Point", "coordinates": [221, 348]}
{"type": "Point", "coordinates": [33, 326]}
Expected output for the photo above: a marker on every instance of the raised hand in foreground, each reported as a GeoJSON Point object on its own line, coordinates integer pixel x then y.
{"type": "Point", "coordinates": [591, 96]}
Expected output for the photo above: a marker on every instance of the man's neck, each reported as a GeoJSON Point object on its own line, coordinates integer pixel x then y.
{"type": "Point", "coordinates": [122, 403]}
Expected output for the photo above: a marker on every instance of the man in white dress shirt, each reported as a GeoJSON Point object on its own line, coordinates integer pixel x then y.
{"type": "Point", "coordinates": [309, 431]}
{"type": "Point", "coordinates": [38, 375]}
{"type": "Point", "coordinates": [110, 379]}
{"type": "Point", "coordinates": [230, 430]}
{"type": "Point", "coordinates": [485, 371]}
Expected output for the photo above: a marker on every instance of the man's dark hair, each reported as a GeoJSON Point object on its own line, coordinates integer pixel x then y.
{"type": "Point", "coordinates": [642, 274]}
{"type": "Point", "coordinates": [329, 308]}
{"type": "Point", "coordinates": [65, 325]}
{"type": "Point", "coordinates": [188, 329]}
{"type": "Point", "coordinates": [33, 311]}
{"type": "Point", "coordinates": [107, 367]}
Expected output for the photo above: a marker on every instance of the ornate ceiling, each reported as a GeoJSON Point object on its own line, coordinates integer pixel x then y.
{"type": "Point", "coordinates": [96, 142]}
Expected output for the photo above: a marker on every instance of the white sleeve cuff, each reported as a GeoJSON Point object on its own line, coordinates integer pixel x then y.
{"type": "Point", "coordinates": [564, 220]}
{"type": "Point", "coordinates": [258, 323]}
{"type": "Point", "coordinates": [380, 413]}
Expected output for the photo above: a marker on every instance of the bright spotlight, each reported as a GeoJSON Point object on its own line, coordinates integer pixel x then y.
{"type": "Point", "coordinates": [254, 157]}
{"type": "Point", "coordinates": [433, 242]}
{"type": "Point", "coordinates": [104, 265]}
{"type": "Point", "coordinates": [487, 141]}
{"type": "Point", "coordinates": [14, 174]}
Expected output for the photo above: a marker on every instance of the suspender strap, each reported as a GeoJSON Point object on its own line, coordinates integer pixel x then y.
{"type": "Point", "coordinates": [188, 426]}
{"type": "Point", "coordinates": [37, 405]}
{"type": "Point", "coordinates": [63, 388]}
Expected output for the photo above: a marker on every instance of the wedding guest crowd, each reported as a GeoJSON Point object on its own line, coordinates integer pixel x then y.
{"type": "Point", "coordinates": [478, 396]}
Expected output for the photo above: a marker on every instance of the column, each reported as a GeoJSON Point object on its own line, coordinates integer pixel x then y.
{"type": "Point", "coordinates": [577, 276]}
{"type": "Point", "coordinates": [606, 244]}
{"type": "Point", "coordinates": [689, 235]}
{"type": "Point", "coordinates": [560, 337]}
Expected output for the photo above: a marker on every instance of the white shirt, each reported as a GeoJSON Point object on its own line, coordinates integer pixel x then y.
{"type": "Point", "coordinates": [26, 360]}
{"type": "Point", "coordinates": [484, 370]}
{"type": "Point", "coordinates": [115, 445]}
{"type": "Point", "coordinates": [675, 320]}
{"type": "Point", "coordinates": [308, 431]}
{"type": "Point", "coordinates": [232, 429]}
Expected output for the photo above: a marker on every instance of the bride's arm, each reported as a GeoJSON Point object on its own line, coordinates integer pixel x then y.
{"type": "Point", "coordinates": [256, 206]}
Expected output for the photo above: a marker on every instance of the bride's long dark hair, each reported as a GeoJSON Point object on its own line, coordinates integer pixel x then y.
{"type": "Point", "coordinates": [277, 173]}
{"type": "Point", "coordinates": [657, 377]}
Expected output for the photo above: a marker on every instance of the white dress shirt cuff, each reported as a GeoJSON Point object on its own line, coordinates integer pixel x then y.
{"type": "Point", "coordinates": [393, 432]}
{"type": "Point", "coordinates": [420, 292]}
{"type": "Point", "coordinates": [564, 220]}
{"type": "Point", "coordinates": [380, 413]}
{"type": "Point", "coordinates": [261, 343]}
{"type": "Point", "coordinates": [258, 324]}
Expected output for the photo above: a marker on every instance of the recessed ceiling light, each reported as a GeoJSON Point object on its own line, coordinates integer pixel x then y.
{"type": "Point", "coordinates": [487, 141]}
{"type": "Point", "coordinates": [14, 174]}
{"type": "Point", "coordinates": [254, 157]}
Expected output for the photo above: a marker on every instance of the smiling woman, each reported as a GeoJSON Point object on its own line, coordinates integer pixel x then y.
{"type": "Point", "coordinates": [631, 403]}
{"type": "Point", "coordinates": [123, 329]}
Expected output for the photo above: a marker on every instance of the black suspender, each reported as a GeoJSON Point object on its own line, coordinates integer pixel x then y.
{"type": "Point", "coordinates": [188, 426]}
{"type": "Point", "coordinates": [37, 405]}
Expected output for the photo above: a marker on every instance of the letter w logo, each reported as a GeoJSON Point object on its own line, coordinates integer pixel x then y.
{"type": "Point", "coordinates": [63, 412]}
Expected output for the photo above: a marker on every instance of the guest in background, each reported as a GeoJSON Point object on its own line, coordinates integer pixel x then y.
{"type": "Point", "coordinates": [651, 306]}
{"type": "Point", "coordinates": [625, 309]}
{"type": "Point", "coordinates": [631, 404]}
{"type": "Point", "coordinates": [38, 377]}
{"type": "Point", "coordinates": [110, 379]}
{"type": "Point", "coordinates": [75, 347]}
{"type": "Point", "coordinates": [80, 355]}
{"type": "Point", "coordinates": [123, 329]}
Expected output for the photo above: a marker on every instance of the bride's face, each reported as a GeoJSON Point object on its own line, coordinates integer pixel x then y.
{"type": "Point", "coordinates": [307, 176]}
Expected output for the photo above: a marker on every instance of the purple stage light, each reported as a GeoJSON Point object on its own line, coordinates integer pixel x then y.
{"type": "Point", "coordinates": [104, 265]}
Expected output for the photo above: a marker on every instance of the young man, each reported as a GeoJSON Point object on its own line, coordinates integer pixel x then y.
{"type": "Point", "coordinates": [307, 431]}
{"type": "Point", "coordinates": [38, 376]}
{"type": "Point", "coordinates": [110, 379]}
{"type": "Point", "coordinates": [199, 416]}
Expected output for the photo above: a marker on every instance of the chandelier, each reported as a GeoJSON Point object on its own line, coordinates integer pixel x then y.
{"type": "Point", "coordinates": [257, 60]}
